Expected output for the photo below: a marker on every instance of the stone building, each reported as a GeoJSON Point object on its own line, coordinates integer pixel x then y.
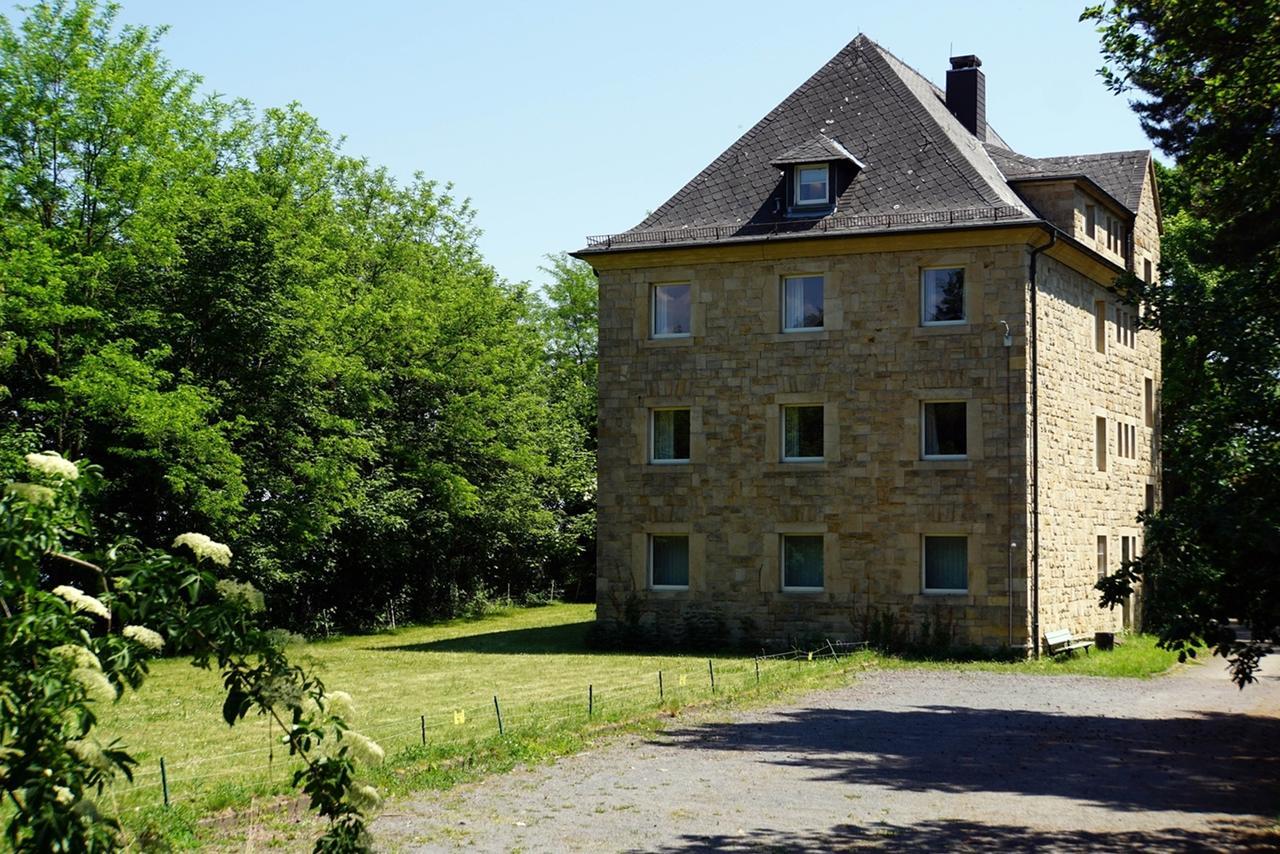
{"type": "Point", "coordinates": [870, 369]}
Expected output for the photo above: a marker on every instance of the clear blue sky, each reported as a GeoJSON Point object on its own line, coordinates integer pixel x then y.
{"type": "Point", "coordinates": [563, 119]}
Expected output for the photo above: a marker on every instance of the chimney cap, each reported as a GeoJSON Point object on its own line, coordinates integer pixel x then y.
{"type": "Point", "coordinates": [966, 61]}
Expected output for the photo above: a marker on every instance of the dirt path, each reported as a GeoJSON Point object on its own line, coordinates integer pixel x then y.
{"type": "Point", "coordinates": [905, 760]}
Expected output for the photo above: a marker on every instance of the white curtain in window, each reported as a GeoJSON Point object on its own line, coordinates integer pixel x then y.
{"type": "Point", "coordinates": [664, 435]}
{"type": "Point", "coordinates": [794, 304]}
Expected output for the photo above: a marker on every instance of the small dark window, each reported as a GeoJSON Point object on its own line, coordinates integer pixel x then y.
{"type": "Point", "coordinates": [942, 296]}
{"type": "Point", "coordinates": [669, 561]}
{"type": "Point", "coordinates": [670, 441]}
{"type": "Point", "coordinates": [945, 431]}
{"type": "Point", "coordinates": [946, 564]}
{"type": "Point", "coordinates": [802, 433]}
{"type": "Point", "coordinates": [1090, 220]}
{"type": "Point", "coordinates": [801, 562]}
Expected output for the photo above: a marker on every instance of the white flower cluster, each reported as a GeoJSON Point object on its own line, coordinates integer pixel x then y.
{"type": "Point", "coordinates": [144, 636]}
{"type": "Point", "coordinates": [96, 686]}
{"type": "Point", "coordinates": [339, 704]}
{"type": "Point", "coordinates": [81, 601]}
{"type": "Point", "coordinates": [204, 548]}
{"type": "Point", "coordinates": [364, 797]}
{"type": "Point", "coordinates": [32, 493]}
{"type": "Point", "coordinates": [53, 464]}
{"type": "Point", "coordinates": [90, 753]}
{"type": "Point", "coordinates": [241, 591]}
{"type": "Point", "coordinates": [79, 655]}
{"type": "Point", "coordinates": [363, 749]}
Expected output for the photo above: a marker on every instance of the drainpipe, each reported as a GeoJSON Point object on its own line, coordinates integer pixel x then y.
{"type": "Point", "coordinates": [1035, 446]}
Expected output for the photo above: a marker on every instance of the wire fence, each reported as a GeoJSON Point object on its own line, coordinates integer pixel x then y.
{"type": "Point", "coordinates": [445, 732]}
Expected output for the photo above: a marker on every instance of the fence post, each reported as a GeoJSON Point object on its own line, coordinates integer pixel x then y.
{"type": "Point", "coordinates": [591, 701]}
{"type": "Point", "coordinates": [498, 710]}
{"type": "Point", "coordinates": [661, 694]}
{"type": "Point", "coordinates": [424, 730]}
{"type": "Point", "coordinates": [757, 671]}
{"type": "Point", "coordinates": [712, 671]}
{"type": "Point", "coordinates": [164, 782]}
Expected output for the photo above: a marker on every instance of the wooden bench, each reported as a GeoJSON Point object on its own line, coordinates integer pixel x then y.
{"type": "Point", "coordinates": [1061, 642]}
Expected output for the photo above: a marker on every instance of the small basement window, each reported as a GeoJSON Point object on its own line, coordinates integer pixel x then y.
{"type": "Point", "coordinates": [812, 184]}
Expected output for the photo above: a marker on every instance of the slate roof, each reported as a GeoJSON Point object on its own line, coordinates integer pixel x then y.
{"type": "Point", "coordinates": [820, 148]}
{"type": "Point", "coordinates": [923, 168]}
{"type": "Point", "coordinates": [1119, 173]}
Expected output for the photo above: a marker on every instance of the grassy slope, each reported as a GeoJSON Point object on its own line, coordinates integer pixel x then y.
{"type": "Point", "coordinates": [534, 660]}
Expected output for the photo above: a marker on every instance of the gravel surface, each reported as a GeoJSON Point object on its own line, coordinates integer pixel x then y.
{"type": "Point", "coordinates": [905, 760]}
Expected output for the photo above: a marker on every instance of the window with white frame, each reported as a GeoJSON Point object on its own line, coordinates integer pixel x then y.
{"type": "Point", "coordinates": [1126, 327]}
{"type": "Point", "coordinates": [944, 430]}
{"type": "Point", "coordinates": [669, 561]}
{"type": "Point", "coordinates": [802, 561]}
{"type": "Point", "coordinates": [802, 303]}
{"type": "Point", "coordinates": [671, 311]}
{"type": "Point", "coordinates": [812, 184]}
{"type": "Point", "coordinates": [803, 433]}
{"type": "Point", "coordinates": [669, 435]}
{"type": "Point", "coordinates": [946, 564]}
{"type": "Point", "coordinates": [942, 296]}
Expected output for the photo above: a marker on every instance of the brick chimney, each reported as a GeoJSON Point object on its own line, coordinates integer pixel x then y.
{"type": "Point", "coordinates": [967, 94]}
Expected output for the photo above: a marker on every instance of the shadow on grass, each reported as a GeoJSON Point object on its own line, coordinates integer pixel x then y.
{"type": "Point", "coordinates": [944, 835]}
{"type": "Point", "coordinates": [1203, 763]}
{"type": "Point", "coordinates": [566, 639]}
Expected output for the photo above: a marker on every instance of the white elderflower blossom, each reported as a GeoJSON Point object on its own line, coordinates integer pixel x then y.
{"type": "Point", "coordinates": [63, 795]}
{"type": "Point", "coordinates": [81, 601]}
{"type": "Point", "coordinates": [52, 464]}
{"type": "Point", "coordinates": [32, 493]}
{"type": "Point", "coordinates": [144, 636]}
{"type": "Point", "coordinates": [363, 748]}
{"type": "Point", "coordinates": [339, 704]}
{"type": "Point", "coordinates": [81, 656]}
{"type": "Point", "coordinates": [204, 547]}
{"type": "Point", "coordinates": [241, 591]}
{"type": "Point", "coordinates": [97, 686]}
{"type": "Point", "coordinates": [364, 798]}
{"type": "Point", "coordinates": [90, 753]}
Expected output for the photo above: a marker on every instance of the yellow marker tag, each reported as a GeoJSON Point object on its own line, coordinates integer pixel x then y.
{"type": "Point", "coordinates": [683, 679]}
{"type": "Point", "coordinates": [459, 717]}
{"type": "Point", "coordinates": [811, 656]}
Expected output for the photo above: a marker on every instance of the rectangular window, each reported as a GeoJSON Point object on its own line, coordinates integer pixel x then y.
{"type": "Point", "coordinates": [945, 430]}
{"type": "Point", "coordinates": [1126, 327]}
{"type": "Point", "coordinates": [1133, 441]}
{"type": "Point", "coordinates": [1091, 220]}
{"type": "Point", "coordinates": [1100, 443]}
{"type": "Point", "coordinates": [801, 562]}
{"type": "Point", "coordinates": [1150, 503]}
{"type": "Point", "coordinates": [1149, 401]}
{"type": "Point", "coordinates": [671, 311]}
{"type": "Point", "coordinates": [1100, 325]}
{"type": "Point", "coordinates": [1146, 271]}
{"type": "Point", "coordinates": [669, 561]}
{"type": "Point", "coordinates": [942, 296]}
{"type": "Point", "coordinates": [1102, 556]}
{"type": "Point", "coordinates": [802, 301]}
{"type": "Point", "coordinates": [802, 433]}
{"type": "Point", "coordinates": [811, 185]}
{"type": "Point", "coordinates": [946, 564]}
{"type": "Point", "coordinates": [669, 436]}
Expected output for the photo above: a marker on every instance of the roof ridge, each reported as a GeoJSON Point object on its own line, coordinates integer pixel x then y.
{"type": "Point", "coordinates": [918, 109]}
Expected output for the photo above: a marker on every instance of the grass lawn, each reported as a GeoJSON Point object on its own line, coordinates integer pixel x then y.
{"type": "Point", "coordinates": [442, 680]}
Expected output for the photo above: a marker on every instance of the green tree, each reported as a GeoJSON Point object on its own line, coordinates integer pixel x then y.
{"type": "Point", "coordinates": [260, 335]}
{"type": "Point", "coordinates": [1204, 74]}
{"type": "Point", "coordinates": [68, 651]}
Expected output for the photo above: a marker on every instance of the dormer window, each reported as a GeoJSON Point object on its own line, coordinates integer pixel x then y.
{"type": "Point", "coordinates": [812, 183]}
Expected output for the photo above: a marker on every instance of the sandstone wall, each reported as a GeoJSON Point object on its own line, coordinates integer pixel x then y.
{"type": "Point", "coordinates": [871, 499]}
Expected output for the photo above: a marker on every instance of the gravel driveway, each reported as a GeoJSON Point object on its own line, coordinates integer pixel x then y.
{"type": "Point", "coordinates": [905, 760]}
